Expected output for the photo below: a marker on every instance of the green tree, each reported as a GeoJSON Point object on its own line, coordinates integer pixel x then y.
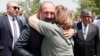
{"type": "Point", "coordinates": [35, 7]}
{"type": "Point", "coordinates": [30, 6]}
{"type": "Point", "coordinates": [92, 5]}
{"type": "Point", "coordinates": [1, 13]}
{"type": "Point", "coordinates": [97, 6]}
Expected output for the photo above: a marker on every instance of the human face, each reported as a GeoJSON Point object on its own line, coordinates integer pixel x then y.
{"type": "Point", "coordinates": [47, 12]}
{"type": "Point", "coordinates": [12, 9]}
{"type": "Point", "coordinates": [86, 18]}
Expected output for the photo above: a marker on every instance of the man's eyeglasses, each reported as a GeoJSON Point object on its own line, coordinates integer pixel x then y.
{"type": "Point", "coordinates": [15, 7]}
{"type": "Point", "coordinates": [87, 16]}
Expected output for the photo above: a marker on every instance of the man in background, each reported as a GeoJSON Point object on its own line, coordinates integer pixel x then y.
{"type": "Point", "coordinates": [21, 15]}
{"type": "Point", "coordinates": [10, 28]}
{"type": "Point", "coordinates": [87, 36]}
{"type": "Point", "coordinates": [95, 18]}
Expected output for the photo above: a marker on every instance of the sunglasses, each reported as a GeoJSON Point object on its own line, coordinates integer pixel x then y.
{"type": "Point", "coordinates": [15, 7]}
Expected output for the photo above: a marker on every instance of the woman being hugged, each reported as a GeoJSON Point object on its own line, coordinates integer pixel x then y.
{"type": "Point", "coordinates": [54, 41]}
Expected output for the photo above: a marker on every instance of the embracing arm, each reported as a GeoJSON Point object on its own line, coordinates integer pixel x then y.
{"type": "Point", "coordinates": [33, 22]}
{"type": "Point", "coordinates": [69, 33]}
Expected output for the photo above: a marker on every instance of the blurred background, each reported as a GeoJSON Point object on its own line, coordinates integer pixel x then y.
{"type": "Point", "coordinates": [31, 6]}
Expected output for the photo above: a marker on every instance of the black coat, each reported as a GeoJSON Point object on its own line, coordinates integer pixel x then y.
{"type": "Point", "coordinates": [88, 46]}
{"type": "Point", "coordinates": [6, 38]}
{"type": "Point", "coordinates": [29, 43]}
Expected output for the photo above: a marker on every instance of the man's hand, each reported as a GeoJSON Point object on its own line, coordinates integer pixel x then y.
{"type": "Point", "coordinates": [69, 33]}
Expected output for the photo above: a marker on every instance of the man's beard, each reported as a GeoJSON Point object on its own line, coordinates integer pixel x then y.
{"type": "Point", "coordinates": [48, 20]}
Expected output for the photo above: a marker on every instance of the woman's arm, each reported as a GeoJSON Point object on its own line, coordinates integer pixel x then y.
{"type": "Point", "coordinates": [33, 21]}
{"type": "Point", "coordinates": [69, 33]}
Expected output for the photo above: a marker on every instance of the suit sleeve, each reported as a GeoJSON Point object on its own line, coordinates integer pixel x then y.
{"type": "Point", "coordinates": [22, 41]}
{"type": "Point", "coordinates": [98, 43]}
{"type": "Point", "coordinates": [75, 29]}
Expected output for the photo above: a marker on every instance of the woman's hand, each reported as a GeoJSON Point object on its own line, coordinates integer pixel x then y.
{"type": "Point", "coordinates": [69, 33]}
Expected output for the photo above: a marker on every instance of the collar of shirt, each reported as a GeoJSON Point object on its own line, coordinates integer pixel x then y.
{"type": "Point", "coordinates": [10, 18]}
{"type": "Point", "coordinates": [84, 26]}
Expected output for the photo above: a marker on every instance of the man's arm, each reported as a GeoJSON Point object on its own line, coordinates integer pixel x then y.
{"type": "Point", "coordinates": [22, 41]}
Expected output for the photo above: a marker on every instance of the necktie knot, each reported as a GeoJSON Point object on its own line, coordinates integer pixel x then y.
{"type": "Point", "coordinates": [85, 25]}
{"type": "Point", "coordinates": [13, 19]}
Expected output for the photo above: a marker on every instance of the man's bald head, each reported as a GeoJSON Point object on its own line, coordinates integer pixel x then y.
{"type": "Point", "coordinates": [9, 4]}
{"type": "Point", "coordinates": [12, 8]}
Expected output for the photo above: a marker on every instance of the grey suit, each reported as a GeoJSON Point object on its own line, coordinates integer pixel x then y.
{"type": "Point", "coordinates": [88, 46]}
{"type": "Point", "coordinates": [98, 24]}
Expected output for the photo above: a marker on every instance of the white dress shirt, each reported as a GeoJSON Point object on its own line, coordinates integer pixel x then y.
{"type": "Point", "coordinates": [85, 30]}
{"type": "Point", "coordinates": [12, 29]}
{"type": "Point", "coordinates": [95, 20]}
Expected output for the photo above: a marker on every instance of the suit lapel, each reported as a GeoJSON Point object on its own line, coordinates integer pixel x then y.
{"type": "Point", "coordinates": [19, 23]}
{"type": "Point", "coordinates": [89, 31]}
{"type": "Point", "coordinates": [80, 32]}
{"type": "Point", "coordinates": [7, 24]}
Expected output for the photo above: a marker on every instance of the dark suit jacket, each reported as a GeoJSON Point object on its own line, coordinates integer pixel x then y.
{"type": "Point", "coordinates": [86, 47]}
{"type": "Point", "coordinates": [29, 43]}
{"type": "Point", "coordinates": [6, 38]}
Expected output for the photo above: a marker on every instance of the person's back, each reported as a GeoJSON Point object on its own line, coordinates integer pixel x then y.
{"type": "Point", "coordinates": [54, 43]}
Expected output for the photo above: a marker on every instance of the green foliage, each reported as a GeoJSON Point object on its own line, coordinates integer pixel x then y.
{"type": "Point", "coordinates": [35, 7]}
{"type": "Point", "coordinates": [92, 5]}
{"type": "Point", "coordinates": [21, 3]}
{"type": "Point", "coordinates": [30, 7]}
{"type": "Point", "coordinates": [1, 13]}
